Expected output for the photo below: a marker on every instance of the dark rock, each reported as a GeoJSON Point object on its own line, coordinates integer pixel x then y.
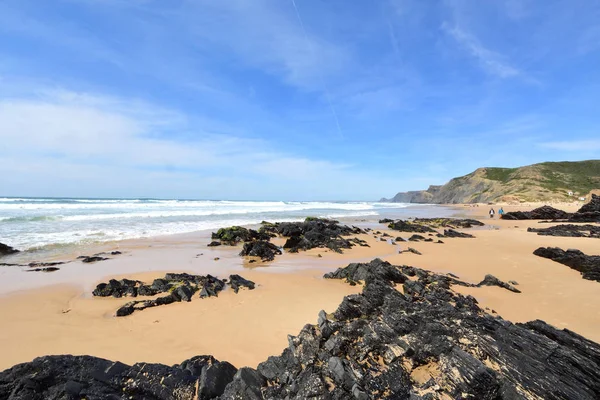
{"type": "Point", "coordinates": [451, 233]}
{"type": "Point", "coordinates": [592, 206]}
{"type": "Point", "coordinates": [214, 243]}
{"type": "Point", "coordinates": [6, 250]}
{"type": "Point", "coordinates": [260, 248]}
{"type": "Point", "coordinates": [246, 385]}
{"type": "Point", "coordinates": [78, 377]}
{"type": "Point", "coordinates": [544, 212]}
{"type": "Point", "coordinates": [411, 250]}
{"type": "Point", "coordinates": [315, 233]}
{"type": "Point", "coordinates": [183, 293]}
{"type": "Point", "coordinates": [237, 282]}
{"type": "Point", "coordinates": [214, 379]}
{"type": "Point", "coordinates": [46, 264]}
{"type": "Point", "coordinates": [371, 347]}
{"type": "Point", "coordinates": [235, 234]}
{"type": "Point", "coordinates": [91, 259]}
{"type": "Point", "coordinates": [416, 238]}
{"type": "Point", "coordinates": [589, 266]}
{"type": "Point", "coordinates": [46, 269]}
{"type": "Point", "coordinates": [386, 221]}
{"type": "Point", "coordinates": [569, 230]}
{"type": "Point", "coordinates": [491, 280]}
{"type": "Point", "coordinates": [405, 226]}
{"type": "Point", "coordinates": [399, 239]}
{"type": "Point", "coordinates": [448, 222]}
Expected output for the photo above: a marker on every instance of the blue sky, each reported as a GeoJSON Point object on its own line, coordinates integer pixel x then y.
{"type": "Point", "coordinates": [249, 99]}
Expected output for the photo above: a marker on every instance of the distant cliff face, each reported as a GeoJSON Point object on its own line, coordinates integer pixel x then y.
{"type": "Point", "coordinates": [558, 181]}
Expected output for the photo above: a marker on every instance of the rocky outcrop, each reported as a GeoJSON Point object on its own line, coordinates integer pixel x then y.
{"type": "Point", "coordinates": [451, 233]}
{"type": "Point", "coordinates": [589, 266]}
{"type": "Point", "coordinates": [592, 206]}
{"type": "Point", "coordinates": [235, 234]}
{"type": "Point", "coordinates": [448, 222]}
{"type": "Point", "coordinates": [405, 226]}
{"type": "Point", "coordinates": [423, 341]}
{"type": "Point", "coordinates": [6, 250]}
{"type": "Point", "coordinates": [569, 230]}
{"type": "Point", "coordinates": [589, 212]}
{"type": "Point", "coordinates": [544, 212]}
{"type": "Point", "coordinates": [313, 233]}
{"type": "Point", "coordinates": [85, 377]}
{"type": "Point", "coordinates": [260, 248]}
{"type": "Point", "coordinates": [491, 280]}
{"type": "Point", "coordinates": [180, 286]}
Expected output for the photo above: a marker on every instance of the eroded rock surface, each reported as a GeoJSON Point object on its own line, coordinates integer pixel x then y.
{"type": "Point", "coordinates": [451, 233]}
{"type": "Point", "coordinates": [315, 233]}
{"type": "Point", "coordinates": [85, 377]}
{"type": "Point", "coordinates": [405, 226]}
{"type": "Point", "coordinates": [569, 230]}
{"type": "Point", "coordinates": [544, 212]}
{"type": "Point", "coordinates": [448, 222]}
{"type": "Point", "coordinates": [589, 266]}
{"type": "Point", "coordinates": [179, 286]}
{"type": "Point", "coordinates": [260, 248]}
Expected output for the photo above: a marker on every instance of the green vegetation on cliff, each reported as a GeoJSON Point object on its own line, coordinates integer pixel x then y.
{"type": "Point", "coordinates": [548, 181]}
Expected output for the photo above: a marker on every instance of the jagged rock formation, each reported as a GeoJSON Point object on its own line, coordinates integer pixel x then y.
{"type": "Point", "coordinates": [569, 230]}
{"type": "Point", "coordinates": [314, 233]}
{"type": "Point", "coordinates": [235, 234]}
{"type": "Point", "coordinates": [589, 212]}
{"type": "Point", "coordinates": [180, 286]}
{"type": "Point", "coordinates": [260, 248]}
{"type": "Point", "coordinates": [85, 377]}
{"type": "Point", "coordinates": [544, 212]}
{"type": "Point", "coordinates": [451, 233]}
{"type": "Point", "coordinates": [448, 222]}
{"type": "Point", "coordinates": [589, 266]}
{"type": "Point", "coordinates": [538, 182]}
{"type": "Point", "coordinates": [405, 226]}
{"type": "Point", "coordinates": [6, 250]}
{"type": "Point", "coordinates": [423, 342]}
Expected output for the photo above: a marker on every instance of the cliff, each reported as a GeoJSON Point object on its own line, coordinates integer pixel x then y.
{"type": "Point", "coordinates": [549, 181]}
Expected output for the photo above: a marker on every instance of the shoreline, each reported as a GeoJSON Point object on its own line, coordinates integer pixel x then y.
{"type": "Point", "coordinates": [248, 327]}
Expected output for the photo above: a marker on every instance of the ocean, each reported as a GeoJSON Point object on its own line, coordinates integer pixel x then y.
{"type": "Point", "coordinates": [39, 223]}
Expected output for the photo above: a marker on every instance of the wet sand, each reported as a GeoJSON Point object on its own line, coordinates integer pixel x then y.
{"type": "Point", "coordinates": [53, 313]}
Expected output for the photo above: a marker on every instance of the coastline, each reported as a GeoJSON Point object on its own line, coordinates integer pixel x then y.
{"type": "Point", "coordinates": [246, 328]}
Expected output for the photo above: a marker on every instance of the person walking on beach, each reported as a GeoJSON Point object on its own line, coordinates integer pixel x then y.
{"type": "Point", "coordinates": [501, 212]}
{"type": "Point", "coordinates": [492, 212]}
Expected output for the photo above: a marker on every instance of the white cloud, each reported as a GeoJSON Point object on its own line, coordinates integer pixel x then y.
{"type": "Point", "coordinates": [66, 143]}
{"type": "Point", "coordinates": [573, 145]}
{"type": "Point", "coordinates": [491, 61]}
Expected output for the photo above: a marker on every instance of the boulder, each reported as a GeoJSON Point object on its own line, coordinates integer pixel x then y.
{"type": "Point", "coordinates": [237, 282]}
{"type": "Point", "coordinates": [260, 248]}
{"type": "Point", "coordinates": [6, 250]}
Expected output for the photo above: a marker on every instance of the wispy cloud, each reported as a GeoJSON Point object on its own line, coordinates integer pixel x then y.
{"type": "Point", "coordinates": [492, 62]}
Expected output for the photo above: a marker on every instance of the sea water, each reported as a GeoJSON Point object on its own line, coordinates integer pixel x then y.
{"type": "Point", "coordinates": [37, 223]}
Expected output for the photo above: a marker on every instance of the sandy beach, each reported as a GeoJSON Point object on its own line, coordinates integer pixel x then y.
{"type": "Point", "coordinates": [54, 313]}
